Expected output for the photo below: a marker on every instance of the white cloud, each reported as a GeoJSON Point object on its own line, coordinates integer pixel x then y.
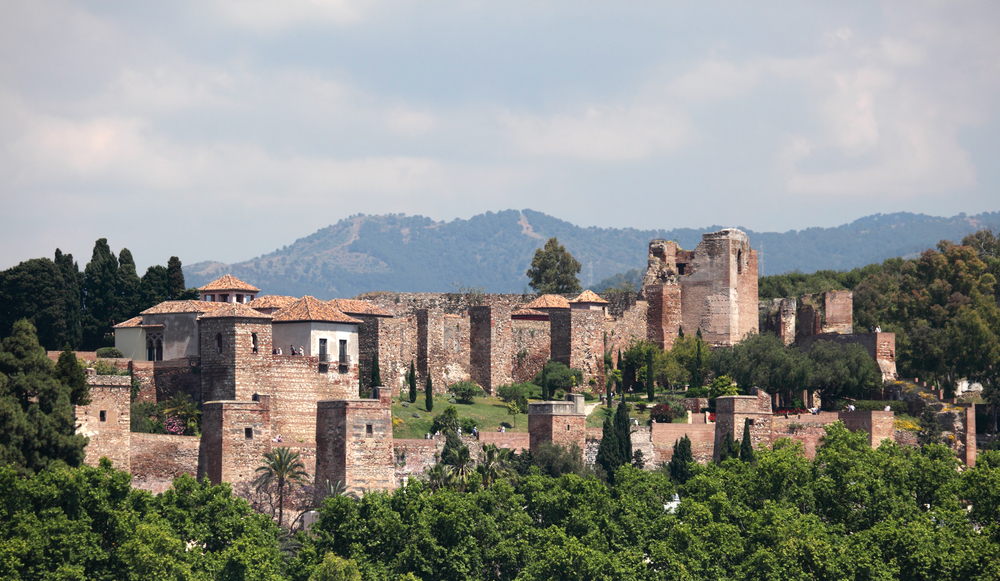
{"type": "Point", "coordinates": [274, 15]}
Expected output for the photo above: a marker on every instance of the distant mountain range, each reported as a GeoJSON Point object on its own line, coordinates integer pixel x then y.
{"type": "Point", "coordinates": [493, 250]}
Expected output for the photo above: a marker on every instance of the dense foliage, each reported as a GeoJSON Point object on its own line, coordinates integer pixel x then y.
{"type": "Point", "coordinates": [79, 308]}
{"type": "Point", "coordinates": [553, 270]}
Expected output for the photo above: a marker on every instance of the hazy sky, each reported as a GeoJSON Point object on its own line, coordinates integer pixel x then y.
{"type": "Point", "coordinates": [222, 129]}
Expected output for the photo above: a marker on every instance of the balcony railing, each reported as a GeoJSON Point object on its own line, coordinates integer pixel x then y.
{"type": "Point", "coordinates": [324, 357]}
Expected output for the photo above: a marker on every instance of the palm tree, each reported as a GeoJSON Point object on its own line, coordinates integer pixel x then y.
{"type": "Point", "coordinates": [460, 464]}
{"type": "Point", "coordinates": [493, 463]}
{"type": "Point", "coordinates": [182, 406]}
{"type": "Point", "coordinates": [438, 476]}
{"type": "Point", "coordinates": [283, 468]}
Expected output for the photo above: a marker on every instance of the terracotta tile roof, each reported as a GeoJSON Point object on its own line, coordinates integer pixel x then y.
{"type": "Point", "coordinates": [312, 309]}
{"type": "Point", "coordinates": [271, 302]}
{"type": "Point", "coordinates": [589, 296]}
{"type": "Point", "coordinates": [229, 282]}
{"type": "Point", "coordinates": [133, 322]}
{"type": "Point", "coordinates": [355, 307]}
{"type": "Point", "coordinates": [528, 313]}
{"type": "Point", "coordinates": [548, 302]}
{"type": "Point", "coordinates": [182, 307]}
{"type": "Point", "coordinates": [227, 310]}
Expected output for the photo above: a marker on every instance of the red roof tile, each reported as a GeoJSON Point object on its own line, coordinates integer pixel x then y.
{"type": "Point", "coordinates": [589, 296]}
{"type": "Point", "coordinates": [227, 310]}
{"type": "Point", "coordinates": [528, 313]}
{"type": "Point", "coordinates": [133, 322]}
{"type": "Point", "coordinates": [231, 283]}
{"type": "Point", "coordinates": [271, 302]}
{"type": "Point", "coordinates": [312, 309]}
{"type": "Point", "coordinates": [182, 307]}
{"type": "Point", "coordinates": [548, 302]}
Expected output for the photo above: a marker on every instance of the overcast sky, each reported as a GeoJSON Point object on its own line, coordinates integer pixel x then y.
{"type": "Point", "coordinates": [222, 129]}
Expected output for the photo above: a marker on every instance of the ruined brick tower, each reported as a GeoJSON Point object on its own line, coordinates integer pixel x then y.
{"type": "Point", "coordinates": [712, 288]}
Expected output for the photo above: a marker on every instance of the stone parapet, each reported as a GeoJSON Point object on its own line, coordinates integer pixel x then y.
{"type": "Point", "coordinates": [354, 443]}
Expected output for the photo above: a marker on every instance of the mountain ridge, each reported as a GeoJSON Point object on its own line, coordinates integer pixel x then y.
{"type": "Point", "coordinates": [395, 252]}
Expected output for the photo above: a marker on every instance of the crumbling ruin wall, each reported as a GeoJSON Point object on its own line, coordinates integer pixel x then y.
{"type": "Point", "coordinates": [354, 443]}
{"type": "Point", "coordinates": [626, 325]}
{"type": "Point", "coordinates": [530, 345]}
{"type": "Point", "coordinates": [156, 459]}
{"type": "Point", "coordinates": [106, 420]}
{"type": "Point", "coordinates": [413, 457]}
{"type": "Point", "coordinates": [778, 316]}
{"type": "Point", "coordinates": [663, 314]}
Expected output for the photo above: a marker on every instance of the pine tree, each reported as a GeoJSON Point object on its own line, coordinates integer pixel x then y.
{"type": "Point", "coordinates": [649, 375]}
{"type": "Point", "coordinates": [37, 426]}
{"type": "Point", "coordinates": [69, 371]}
{"type": "Point", "coordinates": [746, 447]}
{"type": "Point", "coordinates": [376, 374]}
{"type": "Point", "coordinates": [175, 278]}
{"type": "Point", "coordinates": [680, 461]}
{"type": "Point", "coordinates": [127, 288]}
{"type": "Point", "coordinates": [429, 395]}
{"type": "Point", "coordinates": [412, 379]}
{"type": "Point", "coordinates": [99, 289]}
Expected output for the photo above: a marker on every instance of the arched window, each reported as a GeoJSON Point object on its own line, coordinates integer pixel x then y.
{"type": "Point", "coordinates": [218, 342]}
{"type": "Point", "coordinates": [159, 349]}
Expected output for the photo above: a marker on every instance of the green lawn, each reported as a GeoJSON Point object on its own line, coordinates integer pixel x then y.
{"type": "Point", "coordinates": [487, 411]}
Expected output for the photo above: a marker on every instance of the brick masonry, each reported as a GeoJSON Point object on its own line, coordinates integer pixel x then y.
{"type": "Point", "coordinates": [106, 421]}
{"type": "Point", "coordinates": [354, 443]}
{"type": "Point", "coordinates": [235, 437]}
{"type": "Point", "coordinates": [156, 459]}
{"type": "Point", "coordinates": [558, 422]}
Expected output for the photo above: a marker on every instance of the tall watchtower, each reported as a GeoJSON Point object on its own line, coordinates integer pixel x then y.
{"type": "Point", "coordinates": [235, 343]}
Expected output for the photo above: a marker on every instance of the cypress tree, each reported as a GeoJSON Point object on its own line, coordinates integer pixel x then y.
{"type": "Point", "coordinates": [429, 395]}
{"type": "Point", "coordinates": [72, 281]}
{"type": "Point", "coordinates": [729, 448]}
{"type": "Point", "coordinates": [69, 371]}
{"type": "Point", "coordinates": [376, 374]}
{"type": "Point", "coordinates": [680, 332]}
{"type": "Point", "coordinates": [609, 450]}
{"type": "Point", "coordinates": [127, 288]}
{"type": "Point", "coordinates": [679, 467]}
{"type": "Point", "coordinates": [623, 433]}
{"type": "Point", "coordinates": [618, 383]}
{"type": "Point", "coordinates": [175, 278]}
{"type": "Point", "coordinates": [99, 289]}
{"type": "Point", "coordinates": [33, 290]}
{"type": "Point", "coordinates": [649, 375]}
{"type": "Point", "coordinates": [746, 447]}
{"type": "Point", "coordinates": [153, 287]}
{"type": "Point", "coordinates": [412, 379]}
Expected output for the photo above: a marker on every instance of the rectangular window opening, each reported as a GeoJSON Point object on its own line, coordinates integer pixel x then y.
{"type": "Point", "coordinates": [369, 431]}
{"type": "Point", "coordinates": [248, 433]}
{"type": "Point", "coordinates": [324, 368]}
{"type": "Point", "coordinates": [567, 428]}
{"type": "Point", "coordinates": [104, 415]}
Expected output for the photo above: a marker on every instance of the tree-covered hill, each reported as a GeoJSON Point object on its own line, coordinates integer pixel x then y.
{"type": "Point", "coordinates": [493, 250]}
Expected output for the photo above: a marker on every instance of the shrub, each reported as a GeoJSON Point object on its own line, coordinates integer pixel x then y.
{"type": "Point", "coordinates": [641, 406]}
{"type": "Point", "coordinates": [661, 414]}
{"type": "Point", "coordinates": [465, 391]}
{"type": "Point", "coordinates": [105, 368]}
{"type": "Point", "coordinates": [514, 391]}
{"type": "Point", "coordinates": [110, 353]}
{"type": "Point", "coordinates": [468, 424]}
{"type": "Point", "coordinates": [446, 421]}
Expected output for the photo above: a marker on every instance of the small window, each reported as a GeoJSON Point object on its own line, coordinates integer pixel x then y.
{"type": "Point", "coordinates": [223, 298]}
{"type": "Point", "coordinates": [253, 340]}
{"type": "Point", "coordinates": [104, 415]}
{"type": "Point", "coordinates": [255, 397]}
{"type": "Point", "coordinates": [567, 428]}
{"type": "Point", "coordinates": [248, 433]}
{"type": "Point", "coordinates": [324, 368]}
{"type": "Point", "coordinates": [218, 342]}
{"type": "Point", "coordinates": [239, 298]}
{"type": "Point", "coordinates": [369, 431]}
{"type": "Point", "coordinates": [739, 262]}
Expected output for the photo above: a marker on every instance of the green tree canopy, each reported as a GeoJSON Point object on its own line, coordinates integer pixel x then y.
{"type": "Point", "coordinates": [553, 270]}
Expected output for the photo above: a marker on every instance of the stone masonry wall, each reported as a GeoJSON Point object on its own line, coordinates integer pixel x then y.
{"type": "Point", "coordinates": [664, 436]}
{"type": "Point", "coordinates": [530, 346]}
{"type": "Point", "coordinates": [879, 425]}
{"type": "Point", "coordinates": [839, 312]}
{"type": "Point", "coordinates": [106, 420]}
{"type": "Point", "coordinates": [354, 443]}
{"type": "Point", "coordinates": [663, 314]}
{"type": "Point", "coordinates": [562, 423]}
{"type": "Point", "coordinates": [157, 459]}
{"type": "Point", "coordinates": [587, 347]}
{"type": "Point", "coordinates": [746, 292]}
{"type": "Point", "coordinates": [626, 325]}
{"type": "Point", "coordinates": [733, 410]}
{"type": "Point", "coordinates": [235, 437]}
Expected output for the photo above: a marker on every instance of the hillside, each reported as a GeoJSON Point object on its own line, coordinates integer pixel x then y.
{"type": "Point", "coordinates": [413, 253]}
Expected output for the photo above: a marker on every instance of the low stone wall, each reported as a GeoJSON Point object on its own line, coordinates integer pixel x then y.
{"type": "Point", "coordinates": [157, 459]}
{"type": "Point", "coordinates": [694, 404]}
{"type": "Point", "coordinates": [516, 441]}
{"type": "Point", "coordinates": [702, 438]}
{"type": "Point", "coordinates": [414, 457]}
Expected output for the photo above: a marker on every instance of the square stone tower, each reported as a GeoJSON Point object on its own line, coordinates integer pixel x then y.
{"type": "Point", "coordinates": [235, 342]}
{"type": "Point", "coordinates": [354, 443]}
{"type": "Point", "coordinates": [235, 436]}
{"type": "Point", "coordinates": [558, 422]}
